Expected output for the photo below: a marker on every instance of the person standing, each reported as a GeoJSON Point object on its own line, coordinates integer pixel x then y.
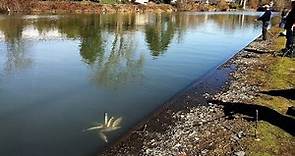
{"type": "Point", "coordinates": [265, 18]}
{"type": "Point", "coordinates": [283, 17]}
{"type": "Point", "coordinates": [289, 26]}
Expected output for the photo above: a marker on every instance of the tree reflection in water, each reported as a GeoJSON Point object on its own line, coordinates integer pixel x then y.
{"type": "Point", "coordinates": [122, 65]}
{"type": "Point", "coordinates": [159, 34]}
{"type": "Point", "coordinates": [108, 43]}
{"type": "Point", "coordinates": [16, 57]}
{"type": "Point", "coordinates": [112, 54]}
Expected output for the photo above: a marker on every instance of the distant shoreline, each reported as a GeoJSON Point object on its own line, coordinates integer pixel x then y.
{"type": "Point", "coordinates": [93, 8]}
{"type": "Point", "coordinates": [60, 7]}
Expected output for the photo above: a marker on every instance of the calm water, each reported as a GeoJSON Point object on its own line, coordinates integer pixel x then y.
{"type": "Point", "coordinates": [59, 74]}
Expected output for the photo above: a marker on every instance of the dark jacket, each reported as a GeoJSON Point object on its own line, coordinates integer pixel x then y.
{"type": "Point", "coordinates": [284, 13]}
{"type": "Point", "coordinates": [265, 17]}
{"type": "Point", "coordinates": [290, 19]}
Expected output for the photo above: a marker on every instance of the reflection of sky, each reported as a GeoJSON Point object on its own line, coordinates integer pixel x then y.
{"type": "Point", "coordinates": [246, 13]}
{"type": "Point", "coordinates": [2, 61]}
{"type": "Point", "coordinates": [2, 36]}
{"type": "Point", "coordinates": [35, 17]}
{"type": "Point", "coordinates": [31, 33]}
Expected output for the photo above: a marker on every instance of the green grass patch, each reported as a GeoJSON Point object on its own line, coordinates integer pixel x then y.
{"type": "Point", "coordinates": [277, 73]}
{"type": "Point", "coordinates": [273, 142]}
{"type": "Point", "coordinates": [279, 104]}
{"type": "Point", "coordinates": [282, 73]}
{"type": "Point", "coordinates": [109, 2]}
{"type": "Point", "coordinates": [278, 43]}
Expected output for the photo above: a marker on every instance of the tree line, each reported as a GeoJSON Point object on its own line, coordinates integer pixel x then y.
{"type": "Point", "coordinates": [19, 5]}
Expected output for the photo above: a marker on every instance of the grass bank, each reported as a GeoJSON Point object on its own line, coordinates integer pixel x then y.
{"type": "Point", "coordinates": [279, 75]}
{"type": "Point", "coordinates": [269, 78]}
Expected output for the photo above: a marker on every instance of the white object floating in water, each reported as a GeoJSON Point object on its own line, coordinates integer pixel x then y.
{"type": "Point", "coordinates": [109, 125]}
{"type": "Point", "coordinates": [105, 118]}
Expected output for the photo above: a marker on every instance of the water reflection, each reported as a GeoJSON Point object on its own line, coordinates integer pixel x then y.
{"type": "Point", "coordinates": [70, 69]}
{"type": "Point", "coordinates": [92, 42]}
{"type": "Point", "coordinates": [232, 22]}
{"type": "Point", "coordinates": [122, 64]}
{"type": "Point", "coordinates": [159, 34]}
{"type": "Point", "coordinates": [16, 57]}
{"type": "Point", "coordinates": [108, 42]}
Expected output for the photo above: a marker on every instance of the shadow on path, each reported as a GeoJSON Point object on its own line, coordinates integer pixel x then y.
{"type": "Point", "coordinates": [266, 114]}
{"type": "Point", "coordinates": [287, 93]}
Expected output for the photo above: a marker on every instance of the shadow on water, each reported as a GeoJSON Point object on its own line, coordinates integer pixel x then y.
{"type": "Point", "coordinates": [266, 114]}
{"type": "Point", "coordinates": [286, 93]}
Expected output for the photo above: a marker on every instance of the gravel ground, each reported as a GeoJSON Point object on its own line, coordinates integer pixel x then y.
{"type": "Point", "coordinates": [242, 88]}
{"type": "Point", "coordinates": [203, 130]}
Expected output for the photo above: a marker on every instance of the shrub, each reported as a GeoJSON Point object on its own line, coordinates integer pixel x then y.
{"type": "Point", "coordinates": [222, 5]}
{"type": "Point", "coordinates": [16, 5]}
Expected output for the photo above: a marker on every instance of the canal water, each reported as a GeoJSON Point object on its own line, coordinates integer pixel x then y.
{"type": "Point", "coordinates": [60, 73]}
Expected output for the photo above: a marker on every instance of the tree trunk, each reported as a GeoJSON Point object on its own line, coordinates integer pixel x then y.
{"type": "Point", "coordinates": [241, 2]}
{"type": "Point", "coordinates": [244, 5]}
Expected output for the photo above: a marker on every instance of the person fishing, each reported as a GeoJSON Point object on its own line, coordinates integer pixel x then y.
{"type": "Point", "coordinates": [265, 18]}
{"type": "Point", "coordinates": [289, 26]}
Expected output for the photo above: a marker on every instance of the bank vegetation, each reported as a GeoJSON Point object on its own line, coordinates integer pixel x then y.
{"type": "Point", "coordinates": [121, 5]}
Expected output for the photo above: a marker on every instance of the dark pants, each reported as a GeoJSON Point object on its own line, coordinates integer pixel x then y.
{"type": "Point", "coordinates": [265, 25]}
{"type": "Point", "coordinates": [289, 36]}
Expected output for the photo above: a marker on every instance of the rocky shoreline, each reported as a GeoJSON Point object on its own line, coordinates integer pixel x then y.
{"type": "Point", "coordinates": [201, 121]}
